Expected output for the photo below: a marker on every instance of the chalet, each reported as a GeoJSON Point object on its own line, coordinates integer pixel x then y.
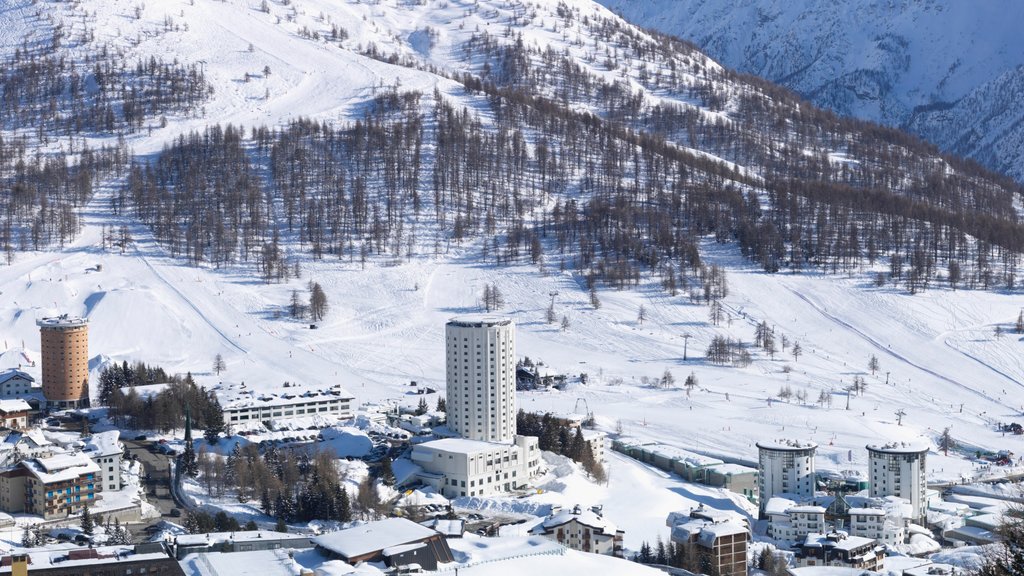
{"type": "Point", "coordinates": [14, 414]}
{"type": "Point", "coordinates": [16, 384]}
{"type": "Point", "coordinates": [584, 530]}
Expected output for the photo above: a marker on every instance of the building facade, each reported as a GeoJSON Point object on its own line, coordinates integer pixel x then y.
{"type": "Point", "coordinates": [584, 530]}
{"type": "Point", "coordinates": [105, 449]}
{"type": "Point", "coordinates": [14, 414]}
{"type": "Point", "coordinates": [16, 384]}
{"type": "Point", "coordinates": [785, 467]}
{"type": "Point", "coordinates": [53, 487]}
{"type": "Point", "coordinates": [898, 469]}
{"type": "Point", "coordinates": [459, 467]}
{"type": "Point", "coordinates": [241, 405]}
{"type": "Point", "coordinates": [839, 549]}
{"type": "Point", "coordinates": [64, 345]}
{"type": "Point", "coordinates": [481, 377]}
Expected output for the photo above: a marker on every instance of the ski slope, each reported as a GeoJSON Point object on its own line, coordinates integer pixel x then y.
{"type": "Point", "coordinates": [385, 326]}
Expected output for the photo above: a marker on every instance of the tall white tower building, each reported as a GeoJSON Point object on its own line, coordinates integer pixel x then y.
{"type": "Point", "coordinates": [785, 467]}
{"type": "Point", "coordinates": [898, 469]}
{"type": "Point", "coordinates": [481, 374]}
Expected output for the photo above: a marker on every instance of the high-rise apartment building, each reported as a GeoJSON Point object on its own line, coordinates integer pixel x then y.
{"type": "Point", "coordinates": [785, 467]}
{"type": "Point", "coordinates": [898, 469]}
{"type": "Point", "coordinates": [481, 377]}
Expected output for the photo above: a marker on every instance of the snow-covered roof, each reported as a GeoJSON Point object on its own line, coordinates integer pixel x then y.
{"type": "Point", "coordinates": [64, 320]}
{"type": "Point", "coordinates": [932, 569]}
{"type": "Point", "coordinates": [103, 443]}
{"type": "Point", "coordinates": [16, 405]}
{"type": "Point", "coordinates": [711, 532]}
{"type": "Point", "coordinates": [461, 445]}
{"type": "Point", "coordinates": [681, 455]}
{"type": "Point", "coordinates": [479, 320]}
{"type": "Point", "coordinates": [39, 558]}
{"type": "Point", "coordinates": [373, 536]}
{"type": "Point", "coordinates": [808, 509]}
{"type": "Point", "coordinates": [447, 527]}
{"type": "Point", "coordinates": [843, 542]}
{"type": "Point", "coordinates": [61, 468]}
{"type": "Point", "coordinates": [402, 548]}
{"type": "Point", "coordinates": [237, 396]}
{"type": "Point", "coordinates": [12, 373]}
{"type": "Point", "coordinates": [591, 435]}
{"type": "Point", "coordinates": [240, 536]}
{"type": "Point", "coordinates": [867, 511]}
{"type": "Point", "coordinates": [786, 444]}
{"type": "Point", "coordinates": [911, 447]}
{"type": "Point", "coordinates": [729, 468]}
{"type": "Point", "coordinates": [582, 516]}
{"type": "Point", "coordinates": [777, 505]}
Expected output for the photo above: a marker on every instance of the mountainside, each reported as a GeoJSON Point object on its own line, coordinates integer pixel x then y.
{"type": "Point", "coordinates": [180, 172]}
{"type": "Point", "coordinates": [930, 66]}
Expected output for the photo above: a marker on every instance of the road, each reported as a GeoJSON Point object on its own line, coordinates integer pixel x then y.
{"type": "Point", "coordinates": [156, 479]}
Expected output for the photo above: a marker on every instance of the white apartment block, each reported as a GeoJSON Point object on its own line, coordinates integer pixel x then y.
{"type": "Point", "coordinates": [785, 467]}
{"type": "Point", "coordinates": [788, 521]}
{"type": "Point", "coordinates": [105, 449]}
{"type": "Point", "coordinates": [16, 384]}
{"type": "Point", "coordinates": [242, 405]}
{"type": "Point", "coordinates": [481, 377]}
{"type": "Point", "coordinates": [898, 469]}
{"type": "Point", "coordinates": [877, 524]}
{"type": "Point", "coordinates": [595, 439]}
{"type": "Point", "coordinates": [457, 467]}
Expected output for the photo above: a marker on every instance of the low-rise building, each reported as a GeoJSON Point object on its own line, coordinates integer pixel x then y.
{"type": "Point", "coordinates": [53, 487]}
{"type": "Point", "coordinates": [595, 439]}
{"type": "Point", "coordinates": [584, 530]}
{"type": "Point", "coordinates": [14, 414]}
{"type": "Point", "coordinates": [102, 561]}
{"type": "Point", "coordinates": [17, 384]}
{"type": "Point", "coordinates": [457, 467]}
{"type": "Point", "coordinates": [242, 405]}
{"type": "Point", "coordinates": [244, 541]}
{"type": "Point", "coordinates": [840, 549]}
{"type": "Point", "coordinates": [692, 466]}
{"type": "Point", "coordinates": [394, 541]}
{"type": "Point", "coordinates": [105, 449]}
{"type": "Point", "coordinates": [789, 521]}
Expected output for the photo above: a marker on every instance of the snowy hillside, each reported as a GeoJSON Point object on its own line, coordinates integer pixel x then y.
{"type": "Point", "coordinates": [943, 68]}
{"type": "Point", "coordinates": [206, 257]}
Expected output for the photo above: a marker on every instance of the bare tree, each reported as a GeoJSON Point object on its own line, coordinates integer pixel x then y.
{"type": "Point", "coordinates": [218, 364]}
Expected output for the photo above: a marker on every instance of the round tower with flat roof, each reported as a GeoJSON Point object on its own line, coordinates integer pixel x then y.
{"type": "Point", "coordinates": [480, 396]}
{"type": "Point", "coordinates": [785, 467]}
{"type": "Point", "coordinates": [898, 469]}
{"type": "Point", "coordinates": [64, 345]}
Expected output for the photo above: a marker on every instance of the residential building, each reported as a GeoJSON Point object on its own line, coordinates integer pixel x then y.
{"type": "Point", "coordinates": [480, 353]}
{"type": "Point", "coordinates": [461, 467]}
{"type": "Point", "coordinates": [64, 346]}
{"type": "Point", "coordinates": [394, 541]}
{"type": "Point", "coordinates": [242, 405]}
{"type": "Point", "coordinates": [105, 450]}
{"type": "Point", "coordinates": [898, 469]}
{"type": "Point", "coordinates": [230, 542]}
{"type": "Point", "coordinates": [595, 440]}
{"type": "Point", "coordinates": [785, 467]}
{"type": "Point", "coordinates": [584, 530]}
{"type": "Point", "coordinates": [52, 487]}
{"type": "Point", "coordinates": [16, 384]}
{"type": "Point", "coordinates": [723, 543]}
{"type": "Point", "coordinates": [14, 414]}
{"type": "Point", "coordinates": [692, 466]}
{"type": "Point", "coordinates": [789, 521]}
{"type": "Point", "coordinates": [840, 549]}
{"type": "Point", "coordinates": [101, 561]}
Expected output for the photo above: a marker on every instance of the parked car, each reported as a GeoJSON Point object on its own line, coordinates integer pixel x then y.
{"type": "Point", "coordinates": [140, 438]}
{"type": "Point", "coordinates": [175, 513]}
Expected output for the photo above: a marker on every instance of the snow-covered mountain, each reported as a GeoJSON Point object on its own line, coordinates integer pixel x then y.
{"type": "Point", "coordinates": [946, 70]}
{"type": "Point", "coordinates": [578, 163]}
